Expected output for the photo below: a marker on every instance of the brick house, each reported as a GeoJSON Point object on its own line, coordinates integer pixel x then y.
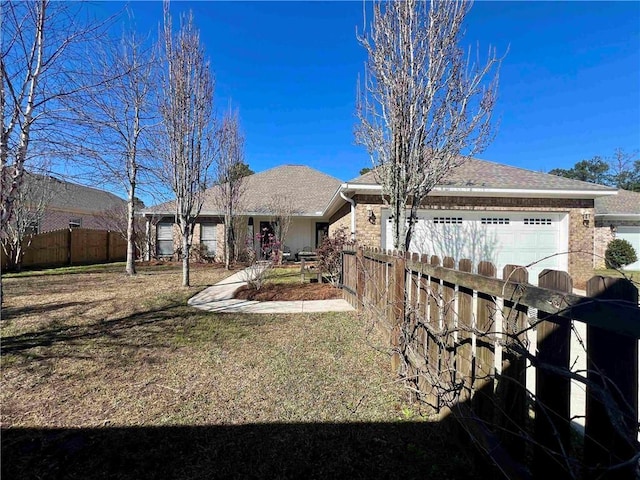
{"type": "Point", "coordinates": [69, 205]}
{"type": "Point", "coordinates": [482, 211]}
{"type": "Point", "coordinates": [302, 191]}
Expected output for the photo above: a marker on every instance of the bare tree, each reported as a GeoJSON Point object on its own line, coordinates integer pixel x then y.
{"type": "Point", "coordinates": [625, 170]}
{"type": "Point", "coordinates": [119, 116]}
{"type": "Point", "coordinates": [281, 208]}
{"type": "Point", "coordinates": [187, 112]}
{"type": "Point", "coordinates": [41, 49]}
{"type": "Point", "coordinates": [425, 105]}
{"type": "Point", "coordinates": [29, 207]}
{"type": "Point", "coordinates": [230, 178]}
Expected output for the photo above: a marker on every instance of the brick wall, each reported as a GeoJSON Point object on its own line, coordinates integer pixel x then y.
{"type": "Point", "coordinates": [581, 237]}
{"type": "Point", "coordinates": [57, 219]}
{"type": "Point", "coordinates": [341, 219]}
{"type": "Point", "coordinates": [241, 234]}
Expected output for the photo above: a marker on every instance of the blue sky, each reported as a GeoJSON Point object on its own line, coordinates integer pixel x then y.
{"type": "Point", "coordinates": [569, 84]}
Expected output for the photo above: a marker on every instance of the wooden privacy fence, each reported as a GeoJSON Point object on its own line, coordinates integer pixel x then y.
{"type": "Point", "coordinates": [73, 247]}
{"type": "Point", "coordinates": [496, 353]}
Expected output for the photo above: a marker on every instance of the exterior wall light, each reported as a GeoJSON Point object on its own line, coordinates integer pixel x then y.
{"type": "Point", "coordinates": [371, 216]}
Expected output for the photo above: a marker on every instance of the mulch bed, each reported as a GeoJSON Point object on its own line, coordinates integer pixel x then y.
{"type": "Point", "coordinates": [289, 291]}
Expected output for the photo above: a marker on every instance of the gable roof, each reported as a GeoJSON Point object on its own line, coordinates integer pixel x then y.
{"type": "Point", "coordinates": [308, 189]}
{"type": "Point", "coordinates": [72, 196]}
{"type": "Point", "coordinates": [625, 203]}
{"type": "Point", "coordinates": [475, 173]}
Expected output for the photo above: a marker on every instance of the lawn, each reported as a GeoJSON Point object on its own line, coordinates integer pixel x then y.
{"type": "Point", "coordinates": [633, 275]}
{"type": "Point", "coordinates": [107, 376]}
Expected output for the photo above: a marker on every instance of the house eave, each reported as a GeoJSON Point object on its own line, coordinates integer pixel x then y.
{"type": "Point", "coordinates": [618, 216]}
{"type": "Point", "coordinates": [240, 214]}
{"type": "Point", "coordinates": [492, 192]}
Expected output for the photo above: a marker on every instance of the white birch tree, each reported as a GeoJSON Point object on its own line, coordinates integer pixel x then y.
{"type": "Point", "coordinates": [425, 106]}
{"type": "Point", "coordinates": [29, 207]}
{"type": "Point", "coordinates": [42, 49]}
{"type": "Point", "coordinates": [186, 107]}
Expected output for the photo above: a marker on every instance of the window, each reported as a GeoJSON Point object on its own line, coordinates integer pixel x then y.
{"type": "Point", "coordinates": [208, 238]}
{"type": "Point", "coordinates": [32, 229]}
{"type": "Point", "coordinates": [494, 221]}
{"type": "Point", "coordinates": [448, 220]}
{"type": "Point", "coordinates": [164, 243]}
{"type": "Point", "coordinates": [75, 222]}
{"type": "Point", "coordinates": [537, 221]}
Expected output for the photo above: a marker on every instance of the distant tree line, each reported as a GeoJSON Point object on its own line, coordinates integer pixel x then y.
{"type": "Point", "coordinates": [622, 170]}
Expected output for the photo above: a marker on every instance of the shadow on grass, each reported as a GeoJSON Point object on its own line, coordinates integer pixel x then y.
{"type": "Point", "coordinates": [64, 334]}
{"type": "Point", "coordinates": [169, 318]}
{"type": "Point", "coordinates": [9, 313]}
{"type": "Point", "coordinates": [368, 450]}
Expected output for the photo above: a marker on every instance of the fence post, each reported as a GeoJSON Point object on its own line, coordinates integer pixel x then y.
{"type": "Point", "coordinates": [69, 245]}
{"type": "Point", "coordinates": [360, 277]}
{"type": "Point", "coordinates": [553, 394]}
{"type": "Point", "coordinates": [465, 324]}
{"type": "Point", "coordinates": [483, 397]}
{"type": "Point", "coordinates": [511, 390]}
{"type": "Point", "coordinates": [397, 309]}
{"type": "Point", "coordinates": [433, 345]}
{"type": "Point", "coordinates": [612, 369]}
{"type": "Point", "coordinates": [109, 246]}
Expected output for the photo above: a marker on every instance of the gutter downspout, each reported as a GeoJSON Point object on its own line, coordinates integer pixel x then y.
{"type": "Point", "coordinates": [353, 214]}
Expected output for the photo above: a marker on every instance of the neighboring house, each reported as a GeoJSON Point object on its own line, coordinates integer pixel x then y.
{"type": "Point", "coordinates": [70, 205]}
{"type": "Point", "coordinates": [617, 217]}
{"type": "Point", "coordinates": [301, 190]}
{"type": "Point", "coordinates": [482, 211]}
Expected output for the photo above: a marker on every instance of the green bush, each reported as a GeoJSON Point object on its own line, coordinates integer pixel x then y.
{"type": "Point", "coordinates": [619, 253]}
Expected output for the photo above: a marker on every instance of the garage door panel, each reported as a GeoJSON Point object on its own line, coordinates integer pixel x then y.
{"type": "Point", "coordinates": [631, 235]}
{"type": "Point", "coordinates": [499, 237]}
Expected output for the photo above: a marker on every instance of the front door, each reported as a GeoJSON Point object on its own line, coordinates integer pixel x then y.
{"type": "Point", "coordinates": [322, 231]}
{"type": "Point", "coordinates": [267, 239]}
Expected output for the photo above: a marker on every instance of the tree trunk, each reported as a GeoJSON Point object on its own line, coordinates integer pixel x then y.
{"type": "Point", "coordinates": [228, 239]}
{"type": "Point", "coordinates": [131, 232]}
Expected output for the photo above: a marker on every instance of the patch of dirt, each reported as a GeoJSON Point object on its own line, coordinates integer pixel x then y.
{"type": "Point", "coordinates": [289, 291]}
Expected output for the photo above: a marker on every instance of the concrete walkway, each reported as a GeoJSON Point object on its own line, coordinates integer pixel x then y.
{"type": "Point", "coordinates": [219, 298]}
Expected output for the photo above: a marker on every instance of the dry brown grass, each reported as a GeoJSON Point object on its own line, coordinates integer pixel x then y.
{"type": "Point", "coordinates": [106, 360]}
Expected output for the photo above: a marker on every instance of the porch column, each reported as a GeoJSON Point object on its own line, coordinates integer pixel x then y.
{"type": "Point", "coordinates": [147, 249]}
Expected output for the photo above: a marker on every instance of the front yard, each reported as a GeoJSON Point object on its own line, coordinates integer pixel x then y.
{"type": "Point", "coordinates": [106, 376]}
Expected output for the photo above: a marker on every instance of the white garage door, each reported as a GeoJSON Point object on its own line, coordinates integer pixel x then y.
{"type": "Point", "coordinates": [631, 235]}
{"type": "Point", "coordinates": [499, 237]}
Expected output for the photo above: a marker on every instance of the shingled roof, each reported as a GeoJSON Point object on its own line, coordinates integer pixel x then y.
{"type": "Point", "coordinates": [624, 203]}
{"type": "Point", "coordinates": [72, 196]}
{"type": "Point", "coordinates": [475, 173]}
{"type": "Point", "coordinates": [310, 191]}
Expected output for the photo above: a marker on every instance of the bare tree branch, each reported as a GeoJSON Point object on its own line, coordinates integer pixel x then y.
{"type": "Point", "coordinates": [116, 119]}
{"type": "Point", "coordinates": [425, 106]}
{"type": "Point", "coordinates": [230, 178]}
{"type": "Point", "coordinates": [42, 49]}
{"type": "Point", "coordinates": [186, 107]}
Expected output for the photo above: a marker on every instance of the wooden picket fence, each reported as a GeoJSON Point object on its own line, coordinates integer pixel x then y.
{"type": "Point", "coordinates": [466, 345]}
{"type": "Point", "coordinates": [73, 247]}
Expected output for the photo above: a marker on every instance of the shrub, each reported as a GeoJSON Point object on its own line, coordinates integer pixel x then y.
{"type": "Point", "coordinates": [330, 255]}
{"type": "Point", "coordinates": [619, 253]}
{"type": "Point", "coordinates": [200, 253]}
{"type": "Point", "coordinates": [260, 261]}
